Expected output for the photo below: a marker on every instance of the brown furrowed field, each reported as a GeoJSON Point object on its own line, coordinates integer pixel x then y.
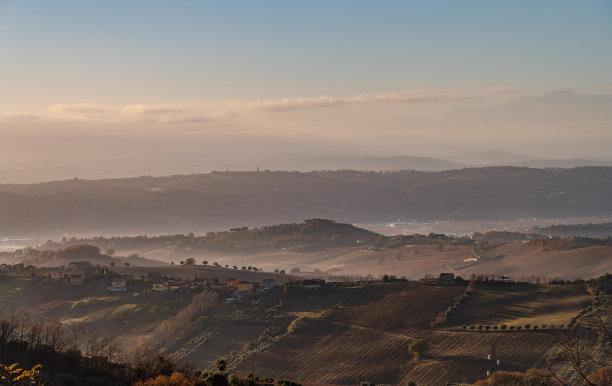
{"type": "Point", "coordinates": [354, 333]}
{"type": "Point", "coordinates": [368, 338]}
{"type": "Point", "coordinates": [517, 305]}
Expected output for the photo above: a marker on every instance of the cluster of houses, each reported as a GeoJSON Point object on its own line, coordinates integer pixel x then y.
{"type": "Point", "coordinates": [77, 279]}
{"type": "Point", "coordinates": [72, 279]}
{"type": "Point", "coordinates": [244, 289]}
{"type": "Point", "coordinates": [155, 283]}
{"type": "Point", "coordinates": [449, 278]}
{"type": "Point", "coordinates": [240, 289]}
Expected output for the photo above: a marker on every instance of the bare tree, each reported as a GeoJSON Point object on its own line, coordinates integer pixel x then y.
{"type": "Point", "coordinates": [56, 337]}
{"type": "Point", "coordinates": [35, 330]}
{"type": "Point", "coordinates": [24, 322]}
{"type": "Point", "coordinates": [75, 334]}
{"type": "Point", "coordinates": [579, 349]}
{"type": "Point", "coordinates": [93, 344]}
{"type": "Point", "coordinates": [8, 324]}
{"type": "Point", "coordinates": [112, 346]}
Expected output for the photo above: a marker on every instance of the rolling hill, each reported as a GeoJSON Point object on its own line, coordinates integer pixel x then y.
{"type": "Point", "coordinates": [321, 247]}
{"type": "Point", "coordinates": [204, 202]}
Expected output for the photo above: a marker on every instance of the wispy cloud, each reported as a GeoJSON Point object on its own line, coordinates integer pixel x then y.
{"type": "Point", "coordinates": [224, 111]}
{"type": "Point", "coordinates": [287, 104]}
{"type": "Point", "coordinates": [503, 90]}
{"type": "Point", "coordinates": [325, 101]}
{"type": "Point", "coordinates": [7, 116]}
{"type": "Point", "coordinates": [406, 96]}
{"type": "Point", "coordinates": [84, 111]}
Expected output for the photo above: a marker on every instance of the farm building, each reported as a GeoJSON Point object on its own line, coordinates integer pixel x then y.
{"type": "Point", "coordinates": [245, 285]}
{"type": "Point", "coordinates": [446, 277]}
{"type": "Point", "coordinates": [232, 282]}
{"type": "Point", "coordinates": [118, 283]}
{"type": "Point", "coordinates": [77, 279]}
{"type": "Point", "coordinates": [312, 283]}
{"type": "Point", "coordinates": [160, 287]}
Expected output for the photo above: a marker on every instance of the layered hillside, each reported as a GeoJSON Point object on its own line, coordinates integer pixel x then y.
{"type": "Point", "coordinates": [211, 201]}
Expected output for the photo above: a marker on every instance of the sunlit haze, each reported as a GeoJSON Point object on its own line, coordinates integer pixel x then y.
{"type": "Point", "coordinates": [305, 192]}
{"type": "Point", "coordinates": [191, 86]}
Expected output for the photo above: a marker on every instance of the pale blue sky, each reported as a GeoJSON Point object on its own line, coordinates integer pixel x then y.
{"type": "Point", "coordinates": [160, 52]}
{"type": "Point", "coordinates": [310, 77]}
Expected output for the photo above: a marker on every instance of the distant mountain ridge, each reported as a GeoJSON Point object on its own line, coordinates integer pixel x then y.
{"type": "Point", "coordinates": [364, 163]}
{"type": "Point", "coordinates": [203, 202]}
{"type": "Point", "coordinates": [118, 169]}
{"type": "Point", "coordinates": [500, 158]}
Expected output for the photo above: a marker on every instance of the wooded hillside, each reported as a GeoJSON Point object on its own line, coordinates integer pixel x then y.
{"type": "Point", "coordinates": [204, 202]}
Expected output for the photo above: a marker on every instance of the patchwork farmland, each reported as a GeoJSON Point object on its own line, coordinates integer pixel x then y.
{"type": "Point", "coordinates": [367, 338]}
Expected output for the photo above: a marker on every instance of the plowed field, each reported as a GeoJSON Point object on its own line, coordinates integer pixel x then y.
{"type": "Point", "coordinates": [368, 340]}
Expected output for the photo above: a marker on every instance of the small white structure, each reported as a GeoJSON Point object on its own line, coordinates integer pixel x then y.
{"type": "Point", "coordinates": [118, 285]}
{"type": "Point", "coordinates": [77, 279]}
{"type": "Point", "coordinates": [160, 287]}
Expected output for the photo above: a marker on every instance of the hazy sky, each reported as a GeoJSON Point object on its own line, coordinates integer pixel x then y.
{"type": "Point", "coordinates": [211, 81]}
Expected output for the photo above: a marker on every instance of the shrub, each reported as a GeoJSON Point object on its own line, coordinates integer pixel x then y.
{"type": "Point", "coordinates": [544, 325]}
{"type": "Point", "coordinates": [301, 323]}
{"type": "Point", "coordinates": [487, 328]}
{"type": "Point", "coordinates": [503, 327]}
{"type": "Point", "coordinates": [495, 327]}
{"type": "Point", "coordinates": [176, 379]}
{"type": "Point", "coordinates": [464, 327]}
{"type": "Point", "coordinates": [221, 365]}
{"type": "Point", "coordinates": [527, 326]}
{"type": "Point", "coordinates": [286, 382]}
{"type": "Point", "coordinates": [531, 377]}
{"type": "Point", "coordinates": [480, 328]}
{"type": "Point", "coordinates": [601, 376]}
{"type": "Point", "coordinates": [512, 327]}
{"type": "Point", "coordinates": [472, 327]}
{"type": "Point", "coordinates": [418, 348]}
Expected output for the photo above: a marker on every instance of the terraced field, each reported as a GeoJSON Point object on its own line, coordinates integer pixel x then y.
{"type": "Point", "coordinates": [359, 333]}
{"type": "Point", "coordinates": [368, 338]}
{"type": "Point", "coordinates": [516, 305]}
